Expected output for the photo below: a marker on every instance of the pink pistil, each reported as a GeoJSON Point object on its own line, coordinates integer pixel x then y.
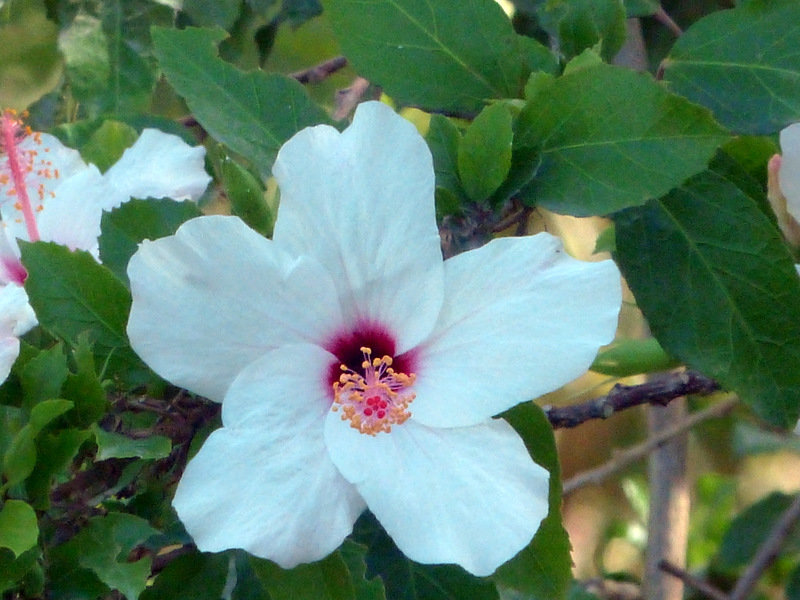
{"type": "Point", "coordinates": [9, 133]}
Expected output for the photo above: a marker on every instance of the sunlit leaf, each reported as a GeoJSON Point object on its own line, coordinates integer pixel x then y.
{"type": "Point", "coordinates": [116, 445]}
{"type": "Point", "coordinates": [484, 154]}
{"type": "Point", "coordinates": [19, 529]}
{"type": "Point", "coordinates": [611, 138]}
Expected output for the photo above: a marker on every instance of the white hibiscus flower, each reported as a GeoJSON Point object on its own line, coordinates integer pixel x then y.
{"type": "Point", "coordinates": [355, 367]}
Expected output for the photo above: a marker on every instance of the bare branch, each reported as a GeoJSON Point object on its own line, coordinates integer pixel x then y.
{"type": "Point", "coordinates": [663, 18]}
{"type": "Point", "coordinates": [661, 391]}
{"type": "Point", "coordinates": [634, 453]}
{"type": "Point", "coordinates": [319, 72]}
{"type": "Point", "coordinates": [767, 552]}
{"type": "Point", "coordinates": [692, 581]}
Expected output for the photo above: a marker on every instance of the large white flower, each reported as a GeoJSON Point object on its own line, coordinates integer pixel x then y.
{"type": "Point", "coordinates": [47, 192]}
{"type": "Point", "coordinates": [355, 366]}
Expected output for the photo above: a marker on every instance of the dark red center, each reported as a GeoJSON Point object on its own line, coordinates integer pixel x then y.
{"type": "Point", "coordinates": [346, 347]}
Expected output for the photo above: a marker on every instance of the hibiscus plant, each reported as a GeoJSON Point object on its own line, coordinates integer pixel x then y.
{"type": "Point", "coordinates": [295, 297]}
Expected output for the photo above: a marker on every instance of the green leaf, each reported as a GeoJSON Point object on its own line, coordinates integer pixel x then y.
{"type": "Point", "coordinates": [20, 456]}
{"type": "Point", "coordinates": [628, 357]}
{"type": "Point", "coordinates": [85, 49]}
{"type": "Point", "coordinates": [750, 529]}
{"type": "Point", "coordinates": [246, 195]}
{"type": "Point", "coordinates": [793, 584]}
{"type": "Point", "coordinates": [719, 289]}
{"type": "Point", "coordinates": [84, 387]}
{"type": "Point", "coordinates": [252, 113]}
{"type": "Point", "coordinates": [72, 295]}
{"type": "Point", "coordinates": [199, 576]}
{"type": "Point", "coordinates": [107, 144]}
{"type": "Point", "coordinates": [115, 445]}
{"type": "Point", "coordinates": [641, 8]}
{"type": "Point", "coordinates": [125, 227]}
{"type": "Point", "coordinates": [103, 547]}
{"type": "Point", "coordinates": [582, 24]}
{"type": "Point", "coordinates": [611, 138]}
{"type": "Point", "coordinates": [327, 579]}
{"type": "Point", "coordinates": [542, 569]}
{"type": "Point", "coordinates": [210, 13]}
{"type": "Point", "coordinates": [443, 139]}
{"type": "Point", "coordinates": [43, 376]}
{"type": "Point", "coordinates": [484, 154]}
{"type": "Point", "coordinates": [742, 64]}
{"type": "Point", "coordinates": [354, 555]}
{"type": "Point", "coordinates": [421, 53]}
{"type": "Point", "coordinates": [19, 529]}
{"type": "Point", "coordinates": [54, 455]}
{"type": "Point", "coordinates": [14, 570]}
{"type": "Point", "coordinates": [407, 580]}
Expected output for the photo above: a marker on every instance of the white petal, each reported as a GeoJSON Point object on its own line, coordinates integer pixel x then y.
{"type": "Point", "coordinates": [470, 496]}
{"type": "Point", "coordinates": [158, 165]}
{"type": "Point", "coordinates": [273, 492]}
{"type": "Point", "coordinates": [16, 315]}
{"type": "Point", "coordinates": [361, 202]}
{"type": "Point", "coordinates": [72, 216]}
{"type": "Point", "coordinates": [289, 384]}
{"type": "Point", "coordinates": [16, 318]}
{"type": "Point", "coordinates": [51, 163]}
{"type": "Point", "coordinates": [216, 296]}
{"type": "Point", "coordinates": [789, 173]}
{"type": "Point", "coordinates": [9, 351]}
{"type": "Point", "coordinates": [11, 269]}
{"type": "Point", "coordinates": [521, 318]}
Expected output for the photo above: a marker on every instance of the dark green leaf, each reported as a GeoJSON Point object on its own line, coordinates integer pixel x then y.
{"type": "Point", "coordinates": [72, 295]}
{"type": "Point", "coordinates": [252, 113]}
{"type": "Point", "coordinates": [484, 154]}
{"type": "Point", "coordinates": [742, 64]}
{"type": "Point", "coordinates": [719, 289]}
{"type": "Point", "coordinates": [13, 570]}
{"type": "Point", "coordinates": [210, 13]}
{"type": "Point", "coordinates": [19, 529]}
{"type": "Point", "coordinates": [407, 580]}
{"type": "Point", "coordinates": [611, 138]}
{"type": "Point", "coordinates": [327, 579]}
{"type": "Point", "coordinates": [582, 24]}
{"type": "Point", "coordinates": [199, 576]}
{"type": "Point", "coordinates": [84, 388]}
{"type": "Point", "coordinates": [365, 589]}
{"type": "Point", "coordinates": [793, 585]}
{"type": "Point", "coordinates": [54, 455]}
{"type": "Point", "coordinates": [422, 53]}
{"type": "Point", "coordinates": [641, 8]}
{"type": "Point", "coordinates": [115, 445]}
{"type": "Point", "coordinates": [542, 569]}
{"type": "Point", "coordinates": [125, 227]}
{"type": "Point", "coordinates": [749, 530]}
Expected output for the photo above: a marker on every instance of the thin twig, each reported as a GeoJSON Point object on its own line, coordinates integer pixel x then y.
{"type": "Point", "coordinates": [767, 552]}
{"type": "Point", "coordinates": [692, 581]}
{"type": "Point", "coordinates": [319, 72]}
{"type": "Point", "coordinates": [661, 391]}
{"type": "Point", "coordinates": [348, 98]}
{"type": "Point", "coordinates": [663, 18]}
{"type": "Point", "coordinates": [634, 453]}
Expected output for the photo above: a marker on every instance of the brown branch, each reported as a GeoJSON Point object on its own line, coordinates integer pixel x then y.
{"type": "Point", "coordinates": [767, 552]}
{"type": "Point", "coordinates": [692, 581]}
{"type": "Point", "coordinates": [319, 72]}
{"type": "Point", "coordinates": [634, 453]}
{"type": "Point", "coordinates": [660, 391]}
{"type": "Point", "coordinates": [662, 17]}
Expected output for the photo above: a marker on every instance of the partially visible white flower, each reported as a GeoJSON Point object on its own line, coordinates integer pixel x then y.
{"type": "Point", "coordinates": [47, 192]}
{"type": "Point", "coordinates": [783, 184]}
{"type": "Point", "coordinates": [16, 318]}
{"type": "Point", "coordinates": [355, 366]}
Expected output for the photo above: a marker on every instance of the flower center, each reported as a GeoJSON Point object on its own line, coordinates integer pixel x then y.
{"type": "Point", "coordinates": [19, 164]}
{"type": "Point", "coordinates": [376, 398]}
